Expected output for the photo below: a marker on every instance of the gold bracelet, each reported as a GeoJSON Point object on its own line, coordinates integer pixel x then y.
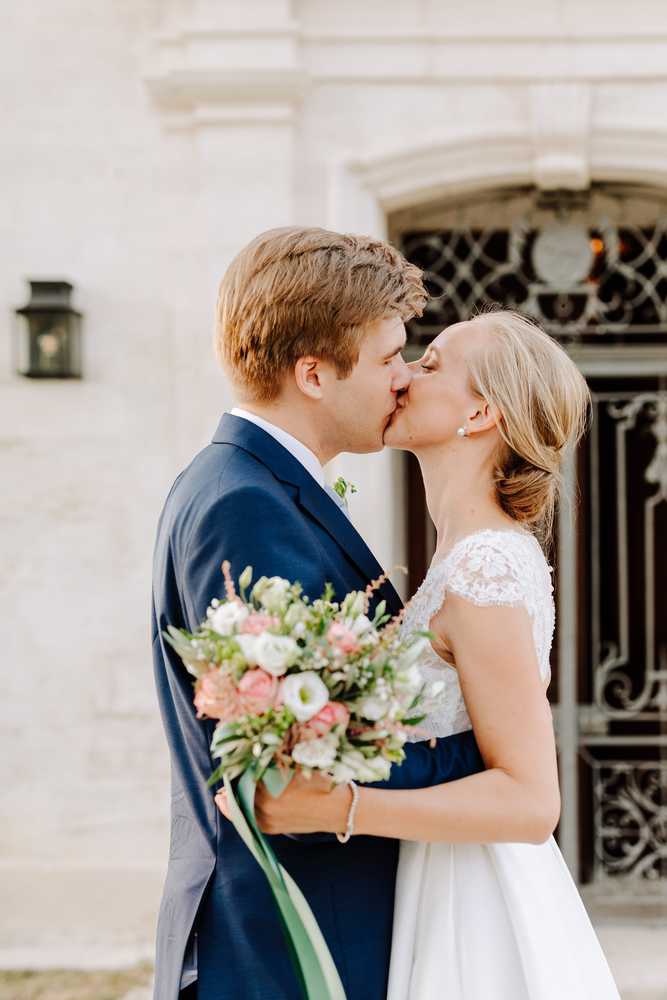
{"type": "Point", "coordinates": [349, 829]}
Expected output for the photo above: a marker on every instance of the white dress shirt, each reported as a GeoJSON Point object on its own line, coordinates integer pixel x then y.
{"type": "Point", "coordinates": [303, 454]}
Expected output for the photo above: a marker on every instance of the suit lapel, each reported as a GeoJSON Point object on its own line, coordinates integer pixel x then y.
{"type": "Point", "coordinates": [311, 496]}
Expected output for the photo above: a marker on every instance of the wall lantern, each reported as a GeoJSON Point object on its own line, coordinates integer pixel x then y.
{"type": "Point", "coordinates": [49, 334]}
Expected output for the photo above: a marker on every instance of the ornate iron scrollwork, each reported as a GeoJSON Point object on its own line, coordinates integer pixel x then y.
{"type": "Point", "coordinates": [631, 820]}
{"type": "Point", "coordinates": [580, 280]}
{"type": "Point", "coordinates": [615, 680]}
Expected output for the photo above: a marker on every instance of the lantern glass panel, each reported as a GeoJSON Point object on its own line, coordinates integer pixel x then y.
{"type": "Point", "coordinates": [49, 333]}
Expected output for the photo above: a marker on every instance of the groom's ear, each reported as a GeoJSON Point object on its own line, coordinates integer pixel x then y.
{"type": "Point", "coordinates": [308, 377]}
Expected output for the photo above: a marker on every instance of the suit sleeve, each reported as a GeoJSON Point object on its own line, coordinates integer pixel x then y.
{"type": "Point", "coordinates": [452, 757]}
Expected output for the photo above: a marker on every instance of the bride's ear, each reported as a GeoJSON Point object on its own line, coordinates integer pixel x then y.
{"type": "Point", "coordinates": [484, 418]}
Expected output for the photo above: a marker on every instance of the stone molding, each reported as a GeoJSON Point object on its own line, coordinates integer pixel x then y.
{"type": "Point", "coordinates": [560, 119]}
{"type": "Point", "coordinates": [572, 157]}
{"type": "Point", "coordinates": [227, 64]}
{"type": "Point", "coordinates": [263, 66]}
{"type": "Point", "coordinates": [191, 97]}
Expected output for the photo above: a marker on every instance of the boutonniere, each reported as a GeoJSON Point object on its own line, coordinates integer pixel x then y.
{"type": "Point", "coordinates": [343, 487]}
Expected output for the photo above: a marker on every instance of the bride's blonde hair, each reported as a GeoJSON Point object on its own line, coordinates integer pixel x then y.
{"type": "Point", "coordinates": [544, 404]}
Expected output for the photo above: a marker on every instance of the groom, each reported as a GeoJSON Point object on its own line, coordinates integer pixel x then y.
{"type": "Point", "coordinates": [310, 330]}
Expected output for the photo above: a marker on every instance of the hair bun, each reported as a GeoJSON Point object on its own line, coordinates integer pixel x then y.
{"type": "Point", "coordinates": [525, 491]}
{"type": "Point", "coordinates": [544, 402]}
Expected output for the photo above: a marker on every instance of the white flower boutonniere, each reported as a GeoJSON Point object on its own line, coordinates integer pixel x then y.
{"type": "Point", "coordinates": [343, 487]}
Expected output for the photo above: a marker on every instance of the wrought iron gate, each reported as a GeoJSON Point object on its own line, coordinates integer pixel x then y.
{"type": "Point", "coordinates": [592, 268]}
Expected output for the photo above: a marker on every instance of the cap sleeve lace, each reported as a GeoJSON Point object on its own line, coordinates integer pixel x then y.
{"type": "Point", "coordinates": [487, 570]}
{"type": "Point", "coordinates": [505, 568]}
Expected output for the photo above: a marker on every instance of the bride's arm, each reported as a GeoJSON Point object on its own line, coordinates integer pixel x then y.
{"type": "Point", "coordinates": [515, 799]}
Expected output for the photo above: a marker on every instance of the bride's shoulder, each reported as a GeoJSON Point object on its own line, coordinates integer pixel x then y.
{"type": "Point", "coordinates": [495, 565]}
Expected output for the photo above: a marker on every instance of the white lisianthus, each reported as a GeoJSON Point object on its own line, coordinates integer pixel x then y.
{"type": "Point", "coordinates": [372, 707]}
{"type": "Point", "coordinates": [304, 694]}
{"type": "Point", "coordinates": [227, 617]}
{"type": "Point", "coordinates": [375, 769]}
{"type": "Point", "coordinates": [296, 614]}
{"type": "Point", "coordinates": [275, 653]}
{"type": "Point", "coordinates": [248, 646]}
{"type": "Point", "coordinates": [409, 679]}
{"type": "Point", "coordinates": [354, 604]}
{"type": "Point", "coordinates": [271, 592]}
{"type": "Point", "coordinates": [316, 753]}
{"type": "Point", "coordinates": [361, 624]}
{"type": "Point", "coordinates": [414, 651]}
{"type": "Point", "coordinates": [342, 772]}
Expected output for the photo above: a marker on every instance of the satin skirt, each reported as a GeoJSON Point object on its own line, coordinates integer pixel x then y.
{"type": "Point", "coordinates": [492, 922]}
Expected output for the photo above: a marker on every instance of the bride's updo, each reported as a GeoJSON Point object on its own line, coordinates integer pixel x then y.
{"type": "Point", "coordinates": [544, 404]}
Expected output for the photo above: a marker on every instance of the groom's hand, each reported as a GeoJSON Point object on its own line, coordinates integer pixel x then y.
{"type": "Point", "coordinates": [308, 805]}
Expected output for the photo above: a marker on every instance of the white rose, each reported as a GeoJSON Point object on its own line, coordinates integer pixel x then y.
{"type": "Point", "coordinates": [275, 653]}
{"type": "Point", "coordinates": [248, 644]}
{"type": "Point", "coordinates": [372, 707]}
{"type": "Point", "coordinates": [227, 617]}
{"type": "Point", "coordinates": [304, 694]}
{"type": "Point", "coordinates": [316, 753]}
{"type": "Point", "coordinates": [272, 592]}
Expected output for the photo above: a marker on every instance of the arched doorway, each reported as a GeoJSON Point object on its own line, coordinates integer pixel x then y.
{"type": "Point", "coordinates": [592, 268]}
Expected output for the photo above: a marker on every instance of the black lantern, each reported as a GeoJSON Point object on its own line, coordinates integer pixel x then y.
{"type": "Point", "coordinates": [49, 344]}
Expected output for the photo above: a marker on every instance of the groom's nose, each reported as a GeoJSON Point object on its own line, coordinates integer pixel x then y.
{"type": "Point", "coordinates": [402, 378]}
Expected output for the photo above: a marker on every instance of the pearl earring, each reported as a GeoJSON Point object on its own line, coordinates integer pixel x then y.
{"type": "Point", "coordinates": [462, 432]}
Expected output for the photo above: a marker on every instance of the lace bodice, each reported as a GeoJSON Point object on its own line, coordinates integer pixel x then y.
{"type": "Point", "coordinates": [488, 567]}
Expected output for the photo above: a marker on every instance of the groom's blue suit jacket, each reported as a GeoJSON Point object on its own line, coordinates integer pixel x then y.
{"type": "Point", "coordinates": [247, 499]}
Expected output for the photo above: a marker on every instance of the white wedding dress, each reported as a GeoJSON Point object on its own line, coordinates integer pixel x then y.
{"type": "Point", "coordinates": [498, 921]}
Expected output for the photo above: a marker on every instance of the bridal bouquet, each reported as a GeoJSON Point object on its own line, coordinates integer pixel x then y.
{"type": "Point", "coordinates": [301, 685]}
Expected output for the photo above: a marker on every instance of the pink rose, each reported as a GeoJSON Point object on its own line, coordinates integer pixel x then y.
{"type": "Point", "coordinates": [333, 714]}
{"type": "Point", "coordinates": [257, 691]}
{"type": "Point", "coordinates": [257, 623]}
{"type": "Point", "coordinates": [343, 639]}
{"type": "Point", "coordinates": [216, 697]}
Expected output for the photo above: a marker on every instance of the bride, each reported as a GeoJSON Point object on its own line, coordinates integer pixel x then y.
{"type": "Point", "coordinates": [485, 906]}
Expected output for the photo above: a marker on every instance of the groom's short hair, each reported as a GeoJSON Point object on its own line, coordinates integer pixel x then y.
{"type": "Point", "coordinates": [295, 292]}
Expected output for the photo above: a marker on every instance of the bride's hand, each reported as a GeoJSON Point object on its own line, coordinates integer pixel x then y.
{"type": "Point", "coordinates": [308, 805]}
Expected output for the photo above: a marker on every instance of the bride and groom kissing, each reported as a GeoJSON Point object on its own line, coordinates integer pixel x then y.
{"type": "Point", "coordinates": [451, 886]}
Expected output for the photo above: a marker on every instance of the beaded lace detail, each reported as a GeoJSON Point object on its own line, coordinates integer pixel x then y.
{"type": "Point", "coordinates": [487, 568]}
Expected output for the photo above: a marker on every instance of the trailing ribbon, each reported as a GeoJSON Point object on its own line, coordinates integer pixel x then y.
{"type": "Point", "coordinates": [313, 964]}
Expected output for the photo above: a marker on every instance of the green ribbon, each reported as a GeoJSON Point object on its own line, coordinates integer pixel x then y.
{"type": "Point", "coordinates": [314, 966]}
